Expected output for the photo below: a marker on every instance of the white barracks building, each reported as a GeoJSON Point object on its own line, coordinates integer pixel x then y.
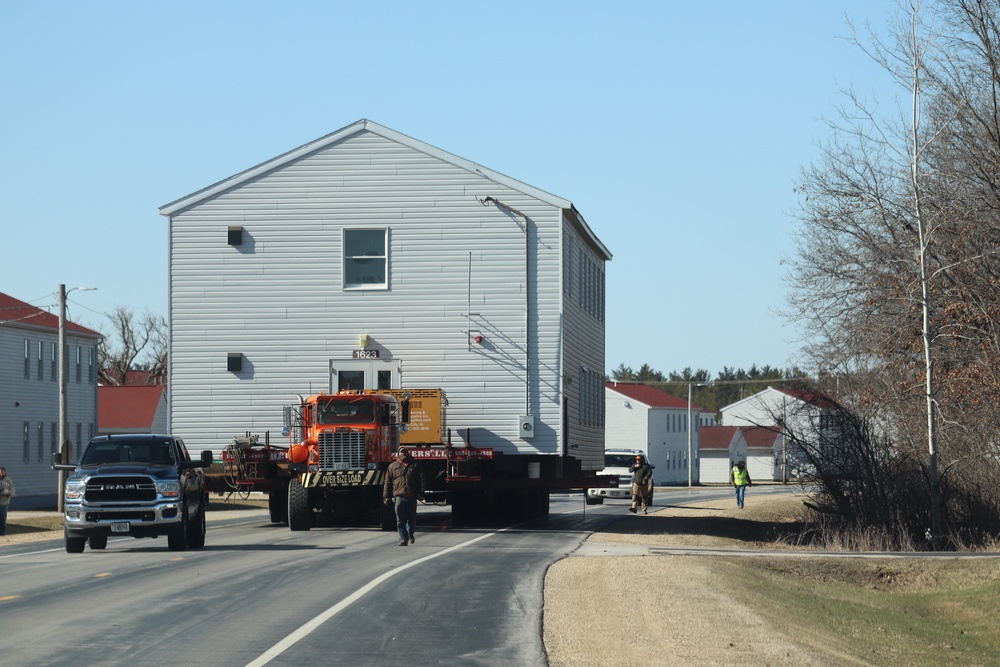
{"type": "Point", "coordinates": [368, 259]}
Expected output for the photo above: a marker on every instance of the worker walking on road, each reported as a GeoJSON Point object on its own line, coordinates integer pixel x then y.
{"type": "Point", "coordinates": [642, 477]}
{"type": "Point", "coordinates": [739, 477]}
{"type": "Point", "coordinates": [6, 493]}
{"type": "Point", "coordinates": [404, 485]}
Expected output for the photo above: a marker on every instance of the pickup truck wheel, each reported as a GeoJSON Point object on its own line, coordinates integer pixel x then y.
{"type": "Point", "coordinates": [197, 528]}
{"type": "Point", "coordinates": [98, 541]}
{"type": "Point", "coordinates": [178, 540]}
{"type": "Point", "coordinates": [299, 512]}
{"type": "Point", "coordinates": [74, 545]}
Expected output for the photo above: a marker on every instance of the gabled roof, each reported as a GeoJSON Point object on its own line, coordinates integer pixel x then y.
{"type": "Point", "coordinates": [127, 408]}
{"type": "Point", "coordinates": [716, 437]}
{"type": "Point", "coordinates": [365, 125]}
{"type": "Point", "coordinates": [647, 395]}
{"type": "Point", "coordinates": [807, 397]}
{"type": "Point", "coordinates": [810, 397]}
{"type": "Point", "coordinates": [14, 312]}
{"type": "Point", "coordinates": [759, 437]}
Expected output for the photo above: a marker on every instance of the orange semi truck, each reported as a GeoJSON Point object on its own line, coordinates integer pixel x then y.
{"type": "Point", "coordinates": [332, 469]}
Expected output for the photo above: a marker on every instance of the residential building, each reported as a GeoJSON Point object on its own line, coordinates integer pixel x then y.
{"type": "Point", "coordinates": [369, 259]}
{"type": "Point", "coordinates": [29, 394]}
{"type": "Point", "coordinates": [721, 448]}
{"type": "Point", "coordinates": [796, 415]}
{"type": "Point", "coordinates": [642, 417]}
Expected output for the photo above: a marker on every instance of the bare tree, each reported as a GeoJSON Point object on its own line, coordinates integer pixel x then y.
{"type": "Point", "coordinates": [138, 343]}
{"type": "Point", "coordinates": [896, 271]}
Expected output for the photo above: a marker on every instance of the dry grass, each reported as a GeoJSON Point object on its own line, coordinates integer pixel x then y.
{"type": "Point", "coordinates": [741, 610]}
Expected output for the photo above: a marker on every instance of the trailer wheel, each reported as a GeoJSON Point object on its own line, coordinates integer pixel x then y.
{"type": "Point", "coordinates": [277, 505]}
{"type": "Point", "coordinates": [467, 508]}
{"type": "Point", "coordinates": [299, 512]}
{"type": "Point", "coordinates": [387, 515]}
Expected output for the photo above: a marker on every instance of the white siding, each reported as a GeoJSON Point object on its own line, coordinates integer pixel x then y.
{"type": "Point", "coordinates": [36, 402]}
{"type": "Point", "coordinates": [715, 467]}
{"type": "Point", "coordinates": [658, 431]}
{"type": "Point", "coordinates": [278, 300]}
{"type": "Point", "coordinates": [761, 466]}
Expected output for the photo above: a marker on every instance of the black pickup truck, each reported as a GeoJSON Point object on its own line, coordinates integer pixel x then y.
{"type": "Point", "coordinates": [137, 485]}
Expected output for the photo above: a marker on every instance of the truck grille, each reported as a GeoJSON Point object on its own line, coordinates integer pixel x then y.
{"type": "Point", "coordinates": [116, 489]}
{"type": "Point", "coordinates": [341, 450]}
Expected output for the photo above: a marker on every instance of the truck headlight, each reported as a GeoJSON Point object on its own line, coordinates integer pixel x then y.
{"type": "Point", "coordinates": [169, 489]}
{"type": "Point", "coordinates": [75, 489]}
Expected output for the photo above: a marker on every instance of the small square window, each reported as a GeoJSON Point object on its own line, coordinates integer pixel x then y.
{"type": "Point", "coordinates": [234, 362]}
{"type": "Point", "coordinates": [235, 236]}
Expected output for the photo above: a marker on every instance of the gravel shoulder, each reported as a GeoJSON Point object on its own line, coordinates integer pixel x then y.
{"type": "Point", "coordinates": [645, 609]}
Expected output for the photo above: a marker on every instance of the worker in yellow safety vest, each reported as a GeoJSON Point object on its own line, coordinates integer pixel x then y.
{"type": "Point", "coordinates": [739, 477]}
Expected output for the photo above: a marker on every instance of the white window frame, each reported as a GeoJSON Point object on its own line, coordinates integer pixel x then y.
{"type": "Point", "coordinates": [348, 260]}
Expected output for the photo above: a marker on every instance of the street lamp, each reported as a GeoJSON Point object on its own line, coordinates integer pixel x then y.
{"type": "Point", "coordinates": [65, 445]}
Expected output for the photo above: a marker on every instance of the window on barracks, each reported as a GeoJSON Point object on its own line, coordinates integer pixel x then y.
{"type": "Point", "coordinates": [366, 258]}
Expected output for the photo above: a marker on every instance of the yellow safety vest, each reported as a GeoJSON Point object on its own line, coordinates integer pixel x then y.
{"type": "Point", "coordinates": [740, 477]}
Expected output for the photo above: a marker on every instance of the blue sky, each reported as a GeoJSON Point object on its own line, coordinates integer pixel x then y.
{"type": "Point", "coordinates": [676, 128]}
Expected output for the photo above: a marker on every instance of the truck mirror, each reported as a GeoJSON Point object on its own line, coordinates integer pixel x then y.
{"type": "Point", "coordinates": [206, 458]}
{"type": "Point", "coordinates": [406, 411]}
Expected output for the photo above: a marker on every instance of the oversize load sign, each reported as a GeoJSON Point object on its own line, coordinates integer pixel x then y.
{"type": "Point", "coordinates": [342, 478]}
{"type": "Point", "coordinates": [441, 454]}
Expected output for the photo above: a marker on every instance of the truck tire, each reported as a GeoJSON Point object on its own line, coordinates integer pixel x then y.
{"type": "Point", "coordinates": [197, 528]}
{"type": "Point", "coordinates": [98, 541]}
{"type": "Point", "coordinates": [299, 511]}
{"type": "Point", "coordinates": [74, 545]}
{"type": "Point", "coordinates": [178, 539]}
{"type": "Point", "coordinates": [387, 515]}
{"type": "Point", "coordinates": [277, 505]}
{"type": "Point", "coordinates": [592, 500]}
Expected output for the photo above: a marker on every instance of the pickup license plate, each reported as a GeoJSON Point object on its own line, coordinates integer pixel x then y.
{"type": "Point", "coordinates": [120, 527]}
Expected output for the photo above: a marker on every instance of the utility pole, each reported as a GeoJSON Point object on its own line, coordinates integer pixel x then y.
{"type": "Point", "coordinates": [65, 447]}
{"type": "Point", "coordinates": [65, 444]}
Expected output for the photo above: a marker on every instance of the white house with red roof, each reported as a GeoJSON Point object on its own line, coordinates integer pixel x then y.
{"type": "Point", "coordinates": [638, 416]}
{"type": "Point", "coordinates": [29, 394]}
{"type": "Point", "coordinates": [132, 409]}
{"type": "Point", "coordinates": [789, 413]}
{"type": "Point", "coordinates": [722, 447]}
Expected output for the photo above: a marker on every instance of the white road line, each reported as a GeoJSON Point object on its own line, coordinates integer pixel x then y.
{"type": "Point", "coordinates": [31, 553]}
{"type": "Point", "coordinates": [305, 630]}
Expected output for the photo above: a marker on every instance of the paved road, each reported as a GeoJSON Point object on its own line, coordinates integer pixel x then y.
{"type": "Point", "coordinates": [259, 594]}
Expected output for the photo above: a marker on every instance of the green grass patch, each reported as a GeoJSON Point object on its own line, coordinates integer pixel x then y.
{"type": "Point", "coordinates": [877, 611]}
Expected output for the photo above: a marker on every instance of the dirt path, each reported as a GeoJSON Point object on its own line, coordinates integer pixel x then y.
{"type": "Point", "coordinates": [649, 610]}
